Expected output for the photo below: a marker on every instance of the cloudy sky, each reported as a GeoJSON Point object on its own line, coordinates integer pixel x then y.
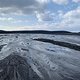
{"type": "Point", "coordinates": [40, 15]}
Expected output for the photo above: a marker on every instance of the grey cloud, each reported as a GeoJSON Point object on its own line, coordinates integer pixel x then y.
{"type": "Point", "coordinates": [17, 3]}
{"type": "Point", "coordinates": [44, 16]}
{"type": "Point", "coordinates": [23, 6]}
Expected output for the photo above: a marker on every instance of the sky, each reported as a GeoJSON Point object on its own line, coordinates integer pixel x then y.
{"type": "Point", "coordinates": [40, 15]}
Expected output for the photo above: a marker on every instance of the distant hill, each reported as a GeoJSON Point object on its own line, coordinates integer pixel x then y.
{"type": "Point", "coordinates": [40, 32]}
{"type": "Point", "coordinates": [79, 32]}
{"type": "Point", "coordinates": [34, 31]}
{"type": "Point", "coordinates": [1, 31]}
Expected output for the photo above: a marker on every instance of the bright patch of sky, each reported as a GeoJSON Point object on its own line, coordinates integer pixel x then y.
{"type": "Point", "coordinates": [40, 15]}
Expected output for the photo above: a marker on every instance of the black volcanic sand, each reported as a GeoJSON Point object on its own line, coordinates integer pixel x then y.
{"type": "Point", "coordinates": [15, 67]}
{"type": "Point", "coordinates": [1, 46]}
{"type": "Point", "coordinates": [64, 44]}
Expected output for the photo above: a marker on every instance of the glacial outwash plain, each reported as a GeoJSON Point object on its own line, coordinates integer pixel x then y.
{"type": "Point", "coordinates": [40, 56]}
